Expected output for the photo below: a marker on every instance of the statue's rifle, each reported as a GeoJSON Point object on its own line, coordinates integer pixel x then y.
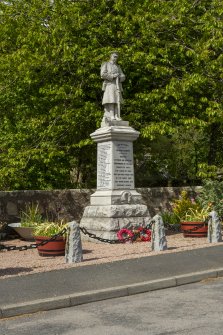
{"type": "Point", "coordinates": [119, 100]}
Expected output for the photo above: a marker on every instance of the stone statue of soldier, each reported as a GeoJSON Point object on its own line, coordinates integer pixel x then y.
{"type": "Point", "coordinates": [113, 76]}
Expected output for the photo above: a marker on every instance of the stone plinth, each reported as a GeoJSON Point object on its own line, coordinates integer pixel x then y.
{"type": "Point", "coordinates": [115, 204]}
{"type": "Point", "coordinates": [105, 221]}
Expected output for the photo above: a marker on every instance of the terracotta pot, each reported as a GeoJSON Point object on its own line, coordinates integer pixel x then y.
{"type": "Point", "coordinates": [52, 248]}
{"type": "Point", "coordinates": [194, 229]}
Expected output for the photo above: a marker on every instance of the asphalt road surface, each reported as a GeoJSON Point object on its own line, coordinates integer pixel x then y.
{"type": "Point", "coordinates": [195, 309]}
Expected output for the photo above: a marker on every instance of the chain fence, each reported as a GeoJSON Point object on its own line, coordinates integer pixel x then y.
{"type": "Point", "coordinates": [135, 235]}
{"type": "Point", "coordinates": [198, 226]}
{"type": "Point", "coordinates": [132, 238]}
{"type": "Point", "coordinates": [32, 245]}
{"type": "Point", "coordinates": [177, 228]}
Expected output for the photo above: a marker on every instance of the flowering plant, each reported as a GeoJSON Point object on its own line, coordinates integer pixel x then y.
{"type": "Point", "coordinates": [188, 209]}
{"type": "Point", "coordinates": [183, 205]}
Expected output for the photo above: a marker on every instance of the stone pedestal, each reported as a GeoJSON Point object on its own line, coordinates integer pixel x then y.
{"type": "Point", "coordinates": [115, 204]}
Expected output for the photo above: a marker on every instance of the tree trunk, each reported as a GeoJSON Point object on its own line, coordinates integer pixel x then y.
{"type": "Point", "coordinates": [213, 143]}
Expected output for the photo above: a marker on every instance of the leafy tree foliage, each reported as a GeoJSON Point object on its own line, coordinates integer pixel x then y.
{"type": "Point", "coordinates": [50, 101]}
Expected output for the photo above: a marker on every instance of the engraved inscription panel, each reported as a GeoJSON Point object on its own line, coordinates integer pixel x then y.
{"type": "Point", "coordinates": [104, 166]}
{"type": "Point", "coordinates": [123, 165]}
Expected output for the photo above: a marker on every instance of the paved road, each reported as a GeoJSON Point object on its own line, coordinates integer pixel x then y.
{"type": "Point", "coordinates": [195, 309]}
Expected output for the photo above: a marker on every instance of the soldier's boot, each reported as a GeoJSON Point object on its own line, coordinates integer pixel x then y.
{"type": "Point", "coordinates": [112, 112]}
{"type": "Point", "coordinates": [117, 114]}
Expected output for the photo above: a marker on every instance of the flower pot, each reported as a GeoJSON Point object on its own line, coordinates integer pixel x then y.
{"type": "Point", "coordinates": [194, 229]}
{"type": "Point", "coordinates": [52, 248]}
{"type": "Point", "coordinates": [26, 233]}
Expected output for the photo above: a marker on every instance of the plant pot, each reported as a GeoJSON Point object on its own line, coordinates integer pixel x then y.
{"type": "Point", "coordinates": [194, 229]}
{"type": "Point", "coordinates": [26, 233]}
{"type": "Point", "coordinates": [52, 248]}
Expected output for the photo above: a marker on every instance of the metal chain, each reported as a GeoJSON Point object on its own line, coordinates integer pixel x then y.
{"type": "Point", "coordinates": [198, 226]}
{"type": "Point", "coordinates": [150, 224]}
{"type": "Point", "coordinates": [94, 236]}
{"type": "Point", "coordinates": [106, 240]}
{"type": "Point", "coordinates": [172, 227]}
{"type": "Point", "coordinates": [33, 245]}
{"type": "Point", "coordinates": [178, 228]}
{"type": "Point", "coordinates": [84, 231]}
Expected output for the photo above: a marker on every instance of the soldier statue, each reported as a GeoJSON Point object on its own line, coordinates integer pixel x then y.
{"type": "Point", "coordinates": [113, 76]}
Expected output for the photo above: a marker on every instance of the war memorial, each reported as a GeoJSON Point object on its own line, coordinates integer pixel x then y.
{"type": "Point", "coordinates": [115, 204]}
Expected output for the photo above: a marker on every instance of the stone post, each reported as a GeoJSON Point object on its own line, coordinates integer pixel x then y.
{"type": "Point", "coordinates": [214, 228]}
{"type": "Point", "coordinates": [73, 250]}
{"type": "Point", "coordinates": [159, 242]}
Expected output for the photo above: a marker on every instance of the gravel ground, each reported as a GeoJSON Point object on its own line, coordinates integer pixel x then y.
{"type": "Point", "coordinates": [18, 263]}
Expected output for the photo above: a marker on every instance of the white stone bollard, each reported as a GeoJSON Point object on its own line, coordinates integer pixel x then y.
{"type": "Point", "coordinates": [73, 251]}
{"type": "Point", "coordinates": [159, 242]}
{"type": "Point", "coordinates": [214, 228]}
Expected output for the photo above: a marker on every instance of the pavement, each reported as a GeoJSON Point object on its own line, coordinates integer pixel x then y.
{"type": "Point", "coordinates": [79, 285]}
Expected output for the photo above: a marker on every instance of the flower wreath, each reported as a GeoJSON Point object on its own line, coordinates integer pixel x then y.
{"type": "Point", "coordinates": [124, 233]}
{"type": "Point", "coordinates": [144, 234]}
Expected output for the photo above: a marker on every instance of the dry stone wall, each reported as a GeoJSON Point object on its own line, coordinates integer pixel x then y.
{"type": "Point", "coordinates": [71, 203]}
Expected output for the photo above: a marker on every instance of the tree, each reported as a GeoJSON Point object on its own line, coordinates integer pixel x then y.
{"type": "Point", "coordinates": [50, 101]}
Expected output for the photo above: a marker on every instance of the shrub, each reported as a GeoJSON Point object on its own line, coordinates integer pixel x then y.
{"type": "Point", "coordinates": [211, 194]}
{"type": "Point", "coordinates": [170, 218]}
{"type": "Point", "coordinates": [183, 205]}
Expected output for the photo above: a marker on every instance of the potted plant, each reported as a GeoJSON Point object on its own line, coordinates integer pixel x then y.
{"type": "Point", "coordinates": [44, 232]}
{"type": "Point", "coordinates": [30, 218]}
{"type": "Point", "coordinates": [194, 223]}
{"type": "Point", "coordinates": [192, 215]}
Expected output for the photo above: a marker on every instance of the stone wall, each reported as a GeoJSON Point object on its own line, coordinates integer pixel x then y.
{"type": "Point", "coordinates": [71, 203]}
